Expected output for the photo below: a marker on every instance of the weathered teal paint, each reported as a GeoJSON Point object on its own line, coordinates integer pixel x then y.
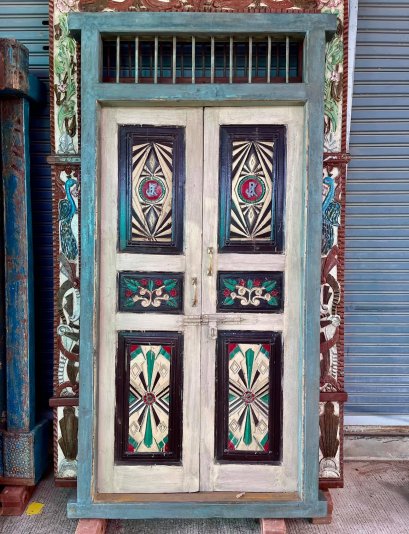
{"type": "Point", "coordinates": [316, 28]}
{"type": "Point", "coordinates": [194, 510]}
{"type": "Point", "coordinates": [24, 450]}
{"type": "Point", "coordinates": [19, 289]}
{"type": "Point", "coordinates": [204, 24]}
{"type": "Point", "coordinates": [201, 94]}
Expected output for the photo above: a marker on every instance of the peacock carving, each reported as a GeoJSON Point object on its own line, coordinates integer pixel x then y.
{"type": "Point", "coordinates": [330, 216]}
{"type": "Point", "coordinates": [66, 211]}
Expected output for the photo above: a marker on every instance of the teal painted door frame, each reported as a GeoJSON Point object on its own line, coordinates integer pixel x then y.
{"type": "Point", "coordinates": [316, 29]}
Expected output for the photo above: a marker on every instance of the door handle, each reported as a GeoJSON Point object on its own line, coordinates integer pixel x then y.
{"type": "Point", "coordinates": [210, 255]}
{"type": "Point", "coordinates": [194, 299]}
{"type": "Point", "coordinates": [213, 330]}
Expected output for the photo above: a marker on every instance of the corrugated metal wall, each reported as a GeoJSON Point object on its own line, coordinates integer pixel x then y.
{"type": "Point", "coordinates": [377, 256]}
{"type": "Point", "coordinates": [28, 22]}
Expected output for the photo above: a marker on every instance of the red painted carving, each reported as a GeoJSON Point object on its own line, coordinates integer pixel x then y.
{"type": "Point", "coordinates": [194, 5]}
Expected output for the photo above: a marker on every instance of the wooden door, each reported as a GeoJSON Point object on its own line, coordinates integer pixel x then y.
{"type": "Point", "coordinates": [150, 310]}
{"type": "Point", "coordinates": [250, 356]}
{"type": "Point", "coordinates": [198, 368]}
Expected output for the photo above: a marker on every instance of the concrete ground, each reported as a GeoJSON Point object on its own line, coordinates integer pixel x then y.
{"type": "Point", "coordinates": [375, 500]}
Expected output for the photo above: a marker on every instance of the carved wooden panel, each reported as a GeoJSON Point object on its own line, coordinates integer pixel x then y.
{"type": "Point", "coordinates": [248, 397]}
{"type": "Point", "coordinates": [250, 292]}
{"type": "Point", "coordinates": [151, 188]}
{"type": "Point", "coordinates": [150, 292]}
{"type": "Point", "coordinates": [251, 188]}
{"type": "Point", "coordinates": [149, 416]}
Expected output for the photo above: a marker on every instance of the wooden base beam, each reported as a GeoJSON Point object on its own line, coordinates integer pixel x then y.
{"type": "Point", "coordinates": [272, 526]}
{"type": "Point", "coordinates": [327, 520]}
{"type": "Point", "coordinates": [14, 499]}
{"type": "Point", "coordinates": [91, 526]}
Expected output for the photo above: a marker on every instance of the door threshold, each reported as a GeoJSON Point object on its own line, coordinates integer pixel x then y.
{"type": "Point", "coordinates": [200, 496]}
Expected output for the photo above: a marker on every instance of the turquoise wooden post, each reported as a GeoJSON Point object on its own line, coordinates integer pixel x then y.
{"type": "Point", "coordinates": [24, 440]}
{"type": "Point", "coordinates": [316, 28]}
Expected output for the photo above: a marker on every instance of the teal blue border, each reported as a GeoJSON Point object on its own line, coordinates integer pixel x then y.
{"type": "Point", "coordinates": [317, 29]}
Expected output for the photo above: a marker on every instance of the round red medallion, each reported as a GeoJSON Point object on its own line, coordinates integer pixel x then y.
{"type": "Point", "coordinates": [251, 189]}
{"type": "Point", "coordinates": [152, 190]}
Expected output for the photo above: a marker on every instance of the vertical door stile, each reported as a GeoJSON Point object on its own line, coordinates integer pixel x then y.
{"type": "Point", "coordinates": [210, 217]}
{"type": "Point", "coordinates": [193, 302]}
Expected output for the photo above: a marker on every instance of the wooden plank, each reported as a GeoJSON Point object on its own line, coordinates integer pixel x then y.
{"type": "Point", "coordinates": [309, 326]}
{"type": "Point", "coordinates": [202, 23]}
{"type": "Point", "coordinates": [201, 94]}
{"type": "Point", "coordinates": [89, 264]}
{"type": "Point", "coordinates": [201, 496]}
{"type": "Point", "coordinates": [189, 510]}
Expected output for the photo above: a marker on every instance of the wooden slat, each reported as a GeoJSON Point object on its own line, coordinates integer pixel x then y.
{"type": "Point", "coordinates": [201, 496]}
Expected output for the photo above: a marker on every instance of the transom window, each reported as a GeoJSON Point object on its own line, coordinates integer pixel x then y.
{"type": "Point", "coordinates": [202, 60]}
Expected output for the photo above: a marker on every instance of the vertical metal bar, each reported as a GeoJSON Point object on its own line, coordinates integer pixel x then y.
{"type": "Point", "coordinates": [287, 59]}
{"type": "Point", "coordinates": [174, 60]}
{"type": "Point", "coordinates": [118, 48]}
{"type": "Point", "coordinates": [155, 65]}
{"type": "Point", "coordinates": [268, 59]}
{"type": "Point", "coordinates": [231, 61]}
{"type": "Point", "coordinates": [193, 59]}
{"type": "Point", "coordinates": [136, 59]}
{"type": "Point", "coordinates": [250, 63]}
{"type": "Point", "coordinates": [212, 60]}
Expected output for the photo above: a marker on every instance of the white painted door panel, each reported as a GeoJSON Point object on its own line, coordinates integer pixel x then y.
{"type": "Point", "coordinates": [158, 478]}
{"type": "Point", "coordinates": [247, 477]}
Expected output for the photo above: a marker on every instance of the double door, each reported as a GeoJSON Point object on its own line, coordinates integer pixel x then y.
{"type": "Point", "coordinates": [197, 360]}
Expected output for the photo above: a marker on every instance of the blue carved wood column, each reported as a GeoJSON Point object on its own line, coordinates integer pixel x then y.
{"type": "Point", "coordinates": [23, 438]}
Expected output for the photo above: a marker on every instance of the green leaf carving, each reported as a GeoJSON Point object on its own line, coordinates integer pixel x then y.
{"type": "Point", "coordinates": [131, 284]}
{"type": "Point", "coordinates": [229, 301]}
{"type": "Point", "coordinates": [230, 283]}
{"type": "Point", "coordinates": [273, 301]}
{"type": "Point", "coordinates": [269, 285]}
{"type": "Point", "coordinates": [150, 285]}
{"type": "Point", "coordinates": [170, 284]}
{"type": "Point", "coordinates": [172, 302]}
{"type": "Point", "coordinates": [249, 283]}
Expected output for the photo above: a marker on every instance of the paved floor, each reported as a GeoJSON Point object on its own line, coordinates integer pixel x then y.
{"type": "Point", "coordinates": [375, 500]}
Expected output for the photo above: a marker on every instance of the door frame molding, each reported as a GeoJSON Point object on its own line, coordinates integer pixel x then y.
{"type": "Point", "coordinates": [317, 29]}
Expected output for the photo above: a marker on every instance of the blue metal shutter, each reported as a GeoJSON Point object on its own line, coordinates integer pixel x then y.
{"type": "Point", "coordinates": [28, 22]}
{"type": "Point", "coordinates": [377, 221]}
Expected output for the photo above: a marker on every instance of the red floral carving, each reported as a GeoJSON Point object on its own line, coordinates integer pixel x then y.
{"type": "Point", "coordinates": [195, 5]}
